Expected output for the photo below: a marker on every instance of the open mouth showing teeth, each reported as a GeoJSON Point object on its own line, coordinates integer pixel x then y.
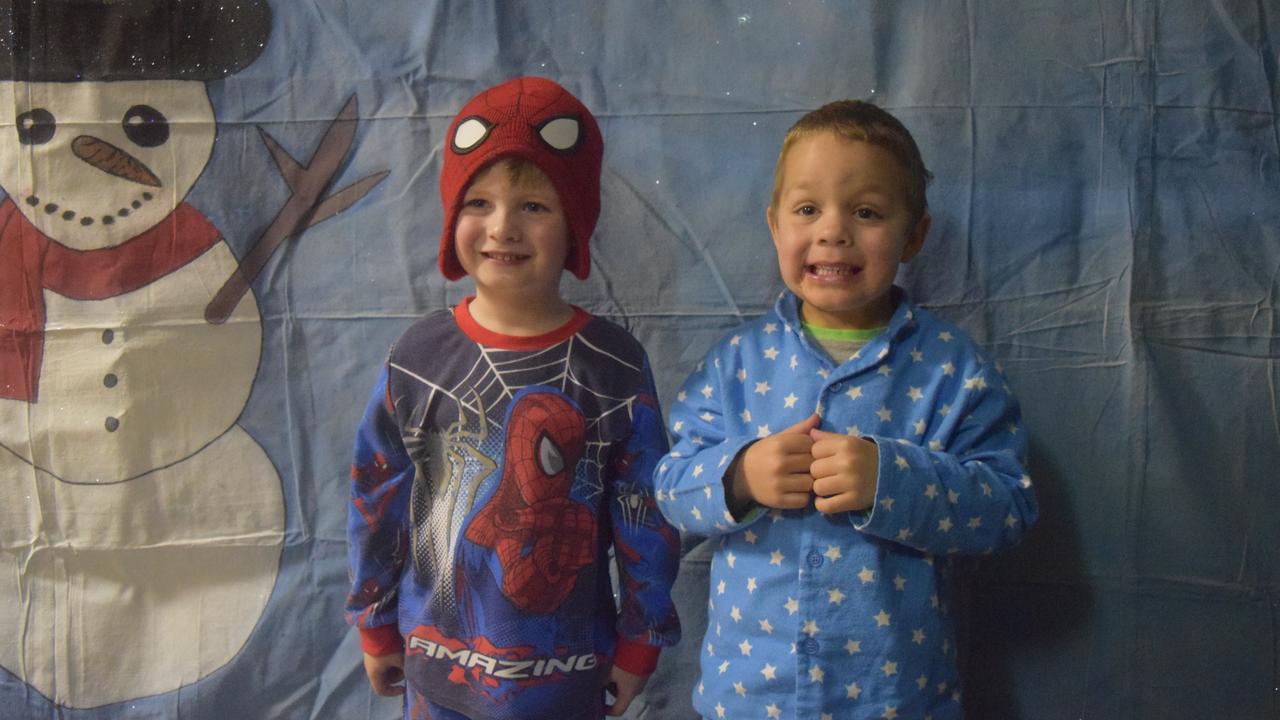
{"type": "Point", "coordinates": [504, 257]}
{"type": "Point", "coordinates": [832, 271]}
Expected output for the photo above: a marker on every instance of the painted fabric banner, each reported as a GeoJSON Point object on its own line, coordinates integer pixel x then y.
{"type": "Point", "coordinates": [217, 216]}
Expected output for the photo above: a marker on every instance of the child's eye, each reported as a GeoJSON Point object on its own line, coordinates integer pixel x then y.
{"type": "Point", "coordinates": [474, 203]}
{"type": "Point", "coordinates": [866, 214]}
{"type": "Point", "coordinates": [532, 206]}
{"type": "Point", "coordinates": [806, 210]}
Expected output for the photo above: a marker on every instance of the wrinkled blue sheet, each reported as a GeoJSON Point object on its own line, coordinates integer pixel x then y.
{"type": "Point", "coordinates": [1106, 220]}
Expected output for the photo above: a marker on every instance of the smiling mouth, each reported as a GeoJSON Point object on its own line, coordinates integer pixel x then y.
{"type": "Point", "coordinates": [504, 257]}
{"type": "Point", "coordinates": [831, 270]}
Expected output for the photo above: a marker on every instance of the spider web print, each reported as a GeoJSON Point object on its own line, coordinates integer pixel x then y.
{"type": "Point", "coordinates": [453, 466]}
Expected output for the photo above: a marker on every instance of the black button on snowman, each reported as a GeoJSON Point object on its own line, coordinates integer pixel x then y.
{"type": "Point", "coordinates": [140, 526]}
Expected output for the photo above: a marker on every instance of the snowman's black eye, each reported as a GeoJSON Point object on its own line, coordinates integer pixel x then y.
{"type": "Point", "coordinates": [145, 126]}
{"type": "Point", "coordinates": [35, 127]}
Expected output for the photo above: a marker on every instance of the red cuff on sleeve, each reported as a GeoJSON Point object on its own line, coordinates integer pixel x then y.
{"type": "Point", "coordinates": [381, 640]}
{"type": "Point", "coordinates": [636, 658]}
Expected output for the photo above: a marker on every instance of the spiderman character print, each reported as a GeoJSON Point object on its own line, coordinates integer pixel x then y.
{"type": "Point", "coordinates": [493, 476]}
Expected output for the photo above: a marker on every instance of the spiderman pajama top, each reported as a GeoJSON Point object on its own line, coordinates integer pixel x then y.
{"type": "Point", "coordinates": [845, 616]}
{"type": "Point", "coordinates": [492, 474]}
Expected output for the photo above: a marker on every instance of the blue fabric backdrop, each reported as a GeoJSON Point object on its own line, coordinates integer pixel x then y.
{"type": "Point", "coordinates": [1106, 220]}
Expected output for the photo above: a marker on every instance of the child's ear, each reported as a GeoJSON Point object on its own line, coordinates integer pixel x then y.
{"type": "Point", "coordinates": [770, 217]}
{"type": "Point", "coordinates": [915, 238]}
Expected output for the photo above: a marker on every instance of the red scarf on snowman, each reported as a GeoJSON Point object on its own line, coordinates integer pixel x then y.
{"type": "Point", "coordinates": [31, 263]}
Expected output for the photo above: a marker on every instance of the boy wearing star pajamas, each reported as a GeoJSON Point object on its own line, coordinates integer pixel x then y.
{"type": "Point", "coordinates": [840, 449]}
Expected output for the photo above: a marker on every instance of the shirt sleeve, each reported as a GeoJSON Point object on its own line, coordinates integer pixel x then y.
{"type": "Point", "coordinates": [690, 479]}
{"type": "Point", "coordinates": [377, 534]}
{"type": "Point", "coordinates": [646, 547]}
{"type": "Point", "coordinates": [966, 490]}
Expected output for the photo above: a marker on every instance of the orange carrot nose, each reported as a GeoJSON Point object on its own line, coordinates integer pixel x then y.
{"type": "Point", "coordinates": [112, 160]}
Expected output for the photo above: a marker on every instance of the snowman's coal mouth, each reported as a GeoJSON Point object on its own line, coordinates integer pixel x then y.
{"type": "Point", "coordinates": [52, 208]}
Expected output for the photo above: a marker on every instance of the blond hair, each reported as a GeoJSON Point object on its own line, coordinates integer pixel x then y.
{"type": "Point", "coordinates": [856, 120]}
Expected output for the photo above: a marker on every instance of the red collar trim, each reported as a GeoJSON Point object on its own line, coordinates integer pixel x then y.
{"type": "Point", "coordinates": [489, 338]}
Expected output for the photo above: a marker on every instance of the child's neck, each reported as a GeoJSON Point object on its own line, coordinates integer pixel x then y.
{"type": "Point", "coordinates": [526, 318]}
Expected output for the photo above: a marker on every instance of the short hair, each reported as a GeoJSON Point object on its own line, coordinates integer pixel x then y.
{"type": "Point", "coordinates": [519, 170]}
{"type": "Point", "coordinates": [856, 120]}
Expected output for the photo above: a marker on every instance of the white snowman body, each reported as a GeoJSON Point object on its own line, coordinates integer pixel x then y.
{"type": "Point", "coordinates": [140, 526]}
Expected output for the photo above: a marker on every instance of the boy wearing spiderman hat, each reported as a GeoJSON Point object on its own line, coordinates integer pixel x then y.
{"type": "Point", "coordinates": [508, 444]}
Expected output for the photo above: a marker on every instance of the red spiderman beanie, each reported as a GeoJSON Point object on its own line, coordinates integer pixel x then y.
{"type": "Point", "coordinates": [537, 120]}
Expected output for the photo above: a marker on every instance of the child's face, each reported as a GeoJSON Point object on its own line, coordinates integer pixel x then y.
{"type": "Point", "coordinates": [512, 236]}
{"type": "Point", "coordinates": [841, 227]}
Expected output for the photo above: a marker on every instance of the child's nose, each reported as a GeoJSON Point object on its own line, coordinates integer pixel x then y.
{"type": "Point", "coordinates": [834, 229]}
{"type": "Point", "coordinates": [502, 226]}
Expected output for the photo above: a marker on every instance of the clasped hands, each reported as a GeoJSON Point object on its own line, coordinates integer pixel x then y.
{"type": "Point", "coordinates": [802, 463]}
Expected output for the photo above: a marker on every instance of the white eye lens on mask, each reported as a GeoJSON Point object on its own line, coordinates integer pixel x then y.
{"type": "Point", "coordinates": [561, 133]}
{"type": "Point", "coordinates": [470, 133]}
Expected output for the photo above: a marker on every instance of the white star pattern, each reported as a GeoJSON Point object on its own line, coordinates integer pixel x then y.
{"type": "Point", "coordinates": [923, 368]}
{"type": "Point", "coordinates": [707, 391]}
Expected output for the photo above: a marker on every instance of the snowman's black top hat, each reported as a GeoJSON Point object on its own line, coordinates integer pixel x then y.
{"type": "Point", "coordinates": [72, 40]}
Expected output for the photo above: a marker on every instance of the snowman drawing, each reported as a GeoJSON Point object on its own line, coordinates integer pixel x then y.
{"type": "Point", "coordinates": [140, 526]}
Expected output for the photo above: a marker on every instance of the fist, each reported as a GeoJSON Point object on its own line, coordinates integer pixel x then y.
{"type": "Point", "coordinates": [844, 470]}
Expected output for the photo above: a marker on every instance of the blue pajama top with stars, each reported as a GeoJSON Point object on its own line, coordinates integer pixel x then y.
{"type": "Point", "coordinates": [845, 616]}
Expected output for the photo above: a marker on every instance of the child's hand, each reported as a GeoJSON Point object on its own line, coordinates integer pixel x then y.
{"type": "Point", "coordinates": [386, 673]}
{"type": "Point", "coordinates": [774, 471]}
{"type": "Point", "coordinates": [624, 687]}
{"type": "Point", "coordinates": [844, 472]}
